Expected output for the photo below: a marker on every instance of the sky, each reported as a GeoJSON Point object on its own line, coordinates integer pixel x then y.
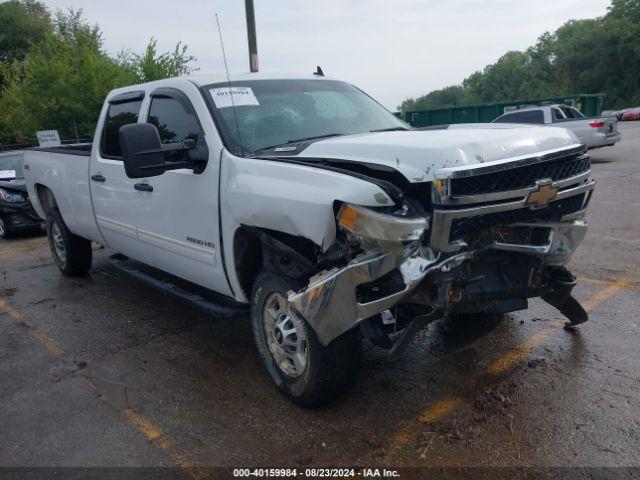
{"type": "Point", "coordinates": [392, 49]}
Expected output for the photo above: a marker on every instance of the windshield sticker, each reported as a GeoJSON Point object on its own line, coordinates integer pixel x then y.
{"type": "Point", "coordinates": [222, 97]}
{"type": "Point", "coordinates": [7, 174]}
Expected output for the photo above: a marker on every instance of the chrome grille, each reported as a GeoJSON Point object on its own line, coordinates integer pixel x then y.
{"type": "Point", "coordinates": [520, 177]}
{"type": "Point", "coordinates": [472, 201]}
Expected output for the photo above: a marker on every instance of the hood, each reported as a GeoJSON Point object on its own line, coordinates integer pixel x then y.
{"type": "Point", "coordinates": [17, 185]}
{"type": "Point", "coordinates": [418, 154]}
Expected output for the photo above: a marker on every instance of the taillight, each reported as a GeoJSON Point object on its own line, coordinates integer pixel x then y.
{"type": "Point", "coordinates": [596, 124]}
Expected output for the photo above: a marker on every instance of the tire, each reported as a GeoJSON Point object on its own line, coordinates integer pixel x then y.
{"type": "Point", "coordinates": [4, 230]}
{"type": "Point", "coordinates": [71, 253]}
{"type": "Point", "coordinates": [320, 374]}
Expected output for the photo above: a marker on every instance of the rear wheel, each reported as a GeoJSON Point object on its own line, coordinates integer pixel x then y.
{"type": "Point", "coordinates": [305, 371]}
{"type": "Point", "coordinates": [71, 253]}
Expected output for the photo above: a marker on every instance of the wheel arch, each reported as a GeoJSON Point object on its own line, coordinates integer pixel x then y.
{"type": "Point", "coordinates": [45, 197]}
{"type": "Point", "coordinates": [282, 253]}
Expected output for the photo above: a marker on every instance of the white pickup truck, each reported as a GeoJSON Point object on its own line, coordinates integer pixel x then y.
{"type": "Point", "coordinates": [306, 199]}
{"type": "Point", "coordinates": [593, 132]}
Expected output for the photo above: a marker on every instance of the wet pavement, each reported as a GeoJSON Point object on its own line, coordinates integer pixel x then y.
{"type": "Point", "coordinates": [106, 371]}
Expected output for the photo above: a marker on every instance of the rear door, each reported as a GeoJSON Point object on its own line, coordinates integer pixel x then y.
{"type": "Point", "coordinates": [117, 205]}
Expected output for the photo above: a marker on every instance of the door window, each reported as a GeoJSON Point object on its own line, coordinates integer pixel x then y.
{"type": "Point", "coordinates": [531, 116]}
{"type": "Point", "coordinates": [174, 121]}
{"type": "Point", "coordinates": [507, 118]}
{"type": "Point", "coordinates": [557, 114]}
{"type": "Point", "coordinates": [571, 112]}
{"type": "Point", "coordinates": [119, 114]}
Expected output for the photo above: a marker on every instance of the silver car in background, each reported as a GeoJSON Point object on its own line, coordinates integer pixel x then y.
{"type": "Point", "coordinates": [593, 132]}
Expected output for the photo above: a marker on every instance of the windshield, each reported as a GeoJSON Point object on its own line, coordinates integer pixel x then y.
{"type": "Point", "coordinates": [275, 112]}
{"type": "Point", "coordinates": [11, 166]}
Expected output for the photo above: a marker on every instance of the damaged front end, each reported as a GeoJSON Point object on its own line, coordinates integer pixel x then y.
{"type": "Point", "coordinates": [488, 237]}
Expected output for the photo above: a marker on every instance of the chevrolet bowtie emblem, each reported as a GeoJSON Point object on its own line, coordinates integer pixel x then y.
{"type": "Point", "coordinates": [542, 195]}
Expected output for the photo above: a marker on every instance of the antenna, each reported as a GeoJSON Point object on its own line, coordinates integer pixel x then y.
{"type": "Point", "coordinates": [233, 103]}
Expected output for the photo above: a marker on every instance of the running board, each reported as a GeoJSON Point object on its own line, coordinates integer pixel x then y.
{"type": "Point", "coordinates": [169, 285]}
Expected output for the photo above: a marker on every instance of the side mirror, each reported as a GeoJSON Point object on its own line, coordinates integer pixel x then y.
{"type": "Point", "coordinates": [144, 155]}
{"type": "Point", "coordinates": [141, 150]}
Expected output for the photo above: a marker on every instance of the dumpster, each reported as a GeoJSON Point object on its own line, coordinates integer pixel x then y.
{"type": "Point", "coordinates": [590, 104]}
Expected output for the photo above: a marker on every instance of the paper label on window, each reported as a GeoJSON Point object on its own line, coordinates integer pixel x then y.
{"type": "Point", "coordinates": [238, 96]}
{"type": "Point", "coordinates": [7, 174]}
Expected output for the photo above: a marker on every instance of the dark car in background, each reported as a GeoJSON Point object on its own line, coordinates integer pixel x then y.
{"type": "Point", "coordinates": [16, 213]}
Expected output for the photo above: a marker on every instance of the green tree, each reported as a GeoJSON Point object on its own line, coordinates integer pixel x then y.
{"type": "Point", "coordinates": [153, 66]}
{"type": "Point", "coordinates": [625, 10]}
{"type": "Point", "coordinates": [445, 97]}
{"type": "Point", "coordinates": [22, 24]}
{"type": "Point", "coordinates": [582, 56]}
{"type": "Point", "coordinates": [62, 82]}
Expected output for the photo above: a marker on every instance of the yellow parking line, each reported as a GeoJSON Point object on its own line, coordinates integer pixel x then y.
{"type": "Point", "coordinates": [39, 336]}
{"type": "Point", "coordinates": [138, 421]}
{"type": "Point", "coordinates": [596, 281]}
{"type": "Point", "coordinates": [520, 352]}
{"type": "Point", "coordinates": [450, 403]}
{"type": "Point", "coordinates": [440, 409]}
{"type": "Point", "coordinates": [155, 436]}
{"type": "Point", "coordinates": [46, 342]}
{"type": "Point", "coordinates": [145, 426]}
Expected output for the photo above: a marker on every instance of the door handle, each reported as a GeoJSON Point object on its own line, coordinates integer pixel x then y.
{"type": "Point", "coordinates": [98, 178]}
{"type": "Point", "coordinates": [143, 187]}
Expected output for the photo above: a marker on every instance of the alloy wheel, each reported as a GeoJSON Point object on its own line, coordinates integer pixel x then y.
{"type": "Point", "coordinates": [57, 242]}
{"type": "Point", "coordinates": [285, 335]}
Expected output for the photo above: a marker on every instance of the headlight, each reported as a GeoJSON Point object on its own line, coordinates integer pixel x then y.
{"type": "Point", "coordinates": [10, 197]}
{"type": "Point", "coordinates": [374, 225]}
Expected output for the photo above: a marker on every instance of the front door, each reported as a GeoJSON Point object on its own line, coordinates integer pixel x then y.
{"type": "Point", "coordinates": [179, 226]}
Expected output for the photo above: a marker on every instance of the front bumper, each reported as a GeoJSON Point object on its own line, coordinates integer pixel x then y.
{"type": "Point", "coordinates": [330, 303]}
{"type": "Point", "coordinates": [333, 303]}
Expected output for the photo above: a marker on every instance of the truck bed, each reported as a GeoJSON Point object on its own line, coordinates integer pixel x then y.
{"type": "Point", "coordinates": [81, 149]}
{"type": "Point", "coordinates": [65, 171]}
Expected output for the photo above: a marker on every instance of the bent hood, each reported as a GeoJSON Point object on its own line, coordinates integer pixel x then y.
{"type": "Point", "coordinates": [15, 185]}
{"type": "Point", "coordinates": [418, 154]}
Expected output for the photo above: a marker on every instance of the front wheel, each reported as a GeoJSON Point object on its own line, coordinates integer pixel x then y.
{"type": "Point", "coordinates": [71, 253]}
{"type": "Point", "coordinates": [305, 371]}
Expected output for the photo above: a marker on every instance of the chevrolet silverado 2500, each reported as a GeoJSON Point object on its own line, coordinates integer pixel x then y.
{"type": "Point", "coordinates": [593, 132]}
{"type": "Point", "coordinates": [306, 199]}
